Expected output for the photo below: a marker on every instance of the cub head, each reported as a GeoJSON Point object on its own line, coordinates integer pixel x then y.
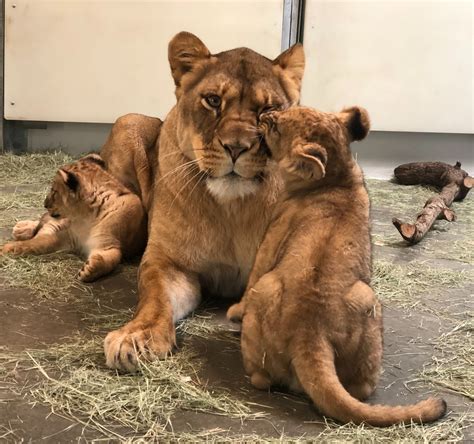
{"type": "Point", "coordinates": [71, 186]}
{"type": "Point", "coordinates": [220, 98]}
{"type": "Point", "coordinates": [314, 146]}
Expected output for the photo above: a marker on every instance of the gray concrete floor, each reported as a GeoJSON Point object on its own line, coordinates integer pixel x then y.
{"type": "Point", "coordinates": [30, 322]}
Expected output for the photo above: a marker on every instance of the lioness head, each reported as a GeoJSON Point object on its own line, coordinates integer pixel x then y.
{"type": "Point", "coordinates": [220, 98]}
{"type": "Point", "coordinates": [310, 145]}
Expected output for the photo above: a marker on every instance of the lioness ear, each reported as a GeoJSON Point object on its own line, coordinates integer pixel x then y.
{"type": "Point", "coordinates": [185, 51]}
{"type": "Point", "coordinates": [312, 159]}
{"type": "Point", "coordinates": [291, 65]}
{"type": "Point", "coordinates": [357, 121]}
{"type": "Point", "coordinates": [70, 179]}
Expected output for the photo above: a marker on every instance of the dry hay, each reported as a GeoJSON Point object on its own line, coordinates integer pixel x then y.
{"type": "Point", "coordinates": [32, 168]}
{"type": "Point", "coordinates": [51, 276]}
{"type": "Point", "coordinates": [452, 367]}
{"type": "Point", "coordinates": [403, 285]}
{"type": "Point", "coordinates": [77, 384]}
{"type": "Point", "coordinates": [18, 205]}
{"type": "Point", "coordinates": [402, 199]}
{"type": "Point", "coordinates": [139, 407]}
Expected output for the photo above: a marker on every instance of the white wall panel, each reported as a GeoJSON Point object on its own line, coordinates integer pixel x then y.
{"type": "Point", "coordinates": [94, 60]}
{"type": "Point", "coordinates": [410, 63]}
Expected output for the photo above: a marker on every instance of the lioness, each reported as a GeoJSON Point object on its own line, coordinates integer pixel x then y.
{"type": "Point", "coordinates": [89, 213]}
{"type": "Point", "coordinates": [310, 319]}
{"type": "Point", "coordinates": [213, 190]}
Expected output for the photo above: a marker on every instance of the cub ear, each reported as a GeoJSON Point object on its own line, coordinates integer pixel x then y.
{"type": "Point", "coordinates": [185, 51]}
{"type": "Point", "coordinates": [312, 160]}
{"type": "Point", "coordinates": [357, 121]}
{"type": "Point", "coordinates": [291, 64]}
{"type": "Point", "coordinates": [70, 179]}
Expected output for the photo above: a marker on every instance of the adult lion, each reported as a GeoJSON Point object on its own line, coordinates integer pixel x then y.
{"type": "Point", "coordinates": [213, 189]}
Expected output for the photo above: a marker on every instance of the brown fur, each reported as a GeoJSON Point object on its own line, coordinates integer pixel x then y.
{"type": "Point", "coordinates": [213, 190]}
{"type": "Point", "coordinates": [310, 319]}
{"type": "Point", "coordinates": [130, 156]}
{"type": "Point", "coordinates": [90, 213]}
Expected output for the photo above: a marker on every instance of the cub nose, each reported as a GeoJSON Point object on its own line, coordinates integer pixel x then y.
{"type": "Point", "coordinates": [235, 150]}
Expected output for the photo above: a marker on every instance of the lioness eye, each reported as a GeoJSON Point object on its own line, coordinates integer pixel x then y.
{"type": "Point", "coordinates": [213, 100]}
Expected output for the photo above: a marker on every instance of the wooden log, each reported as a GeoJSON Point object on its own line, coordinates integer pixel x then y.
{"type": "Point", "coordinates": [454, 183]}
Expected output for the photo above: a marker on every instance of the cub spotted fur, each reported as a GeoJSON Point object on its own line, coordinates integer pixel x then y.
{"type": "Point", "coordinates": [310, 319]}
{"type": "Point", "coordinates": [90, 213]}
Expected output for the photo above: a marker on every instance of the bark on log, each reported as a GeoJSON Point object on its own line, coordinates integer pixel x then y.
{"type": "Point", "coordinates": [454, 183]}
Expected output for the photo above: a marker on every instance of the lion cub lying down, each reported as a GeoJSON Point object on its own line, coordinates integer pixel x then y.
{"type": "Point", "coordinates": [90, 213]}
{"type": "Point", "coordinates": [310, 319]}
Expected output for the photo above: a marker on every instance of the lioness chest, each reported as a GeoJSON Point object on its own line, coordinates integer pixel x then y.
{"type": "Point", "coordinates": [218, 242]}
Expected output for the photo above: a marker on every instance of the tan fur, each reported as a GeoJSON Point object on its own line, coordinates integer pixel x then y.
{"type": "Point", "coordinates": [310, 319]}
{"type": "Point", "coordinates": [213, 190]}
{"type": "Point", "coordinates": [90, 213]}
{"type": "Point", "coordinates": [130, 156]}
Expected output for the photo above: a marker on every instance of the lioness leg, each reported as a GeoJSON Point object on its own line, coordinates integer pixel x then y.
{"type": "Point", "coordinates": [166, 294]}
{"type": "Point", "coordinates": [99, 263]}
{"type": "Point", "coordinates": [130, 153]}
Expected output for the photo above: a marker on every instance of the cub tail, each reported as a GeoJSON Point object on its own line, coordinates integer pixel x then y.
{"type": "Point", "coordinates": [317, 375]}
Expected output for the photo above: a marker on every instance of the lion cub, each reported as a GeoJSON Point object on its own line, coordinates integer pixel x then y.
{"type": "Point", "coordinates": [90, 213]}
{"type": "Point", "coordinates": [310, 319]}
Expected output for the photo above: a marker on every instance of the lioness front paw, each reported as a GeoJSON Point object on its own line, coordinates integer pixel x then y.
{"type": "Point", "coordinates": [24, 229]}
{"type": "Point", "coordinates": [14, 248]}
{"type": "Point", "coordinates": [124, 347]}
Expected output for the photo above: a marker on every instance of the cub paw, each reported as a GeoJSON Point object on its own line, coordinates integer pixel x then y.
{"type": "Point", "coordinates": [235, 313]}
{"type": "Point", "coordinates": [92, 270]}
{"type": "Point", "coordinates": [24, 229]}
{"type": "Point", "coordinates": [14, 248]}
{"type": "Point", "coordinates": [125, 347]}
{"type": "Point", "coordinates": [261, 380]}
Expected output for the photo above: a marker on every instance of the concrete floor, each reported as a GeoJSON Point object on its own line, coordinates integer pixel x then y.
{"type": "Point", "coordinates": [31, 322]}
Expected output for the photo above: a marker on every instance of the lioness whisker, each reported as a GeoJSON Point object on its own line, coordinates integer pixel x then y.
{"type": "Point", "coordinates": [182, 167]}
{"type": "Point", "coordinates": [204, 174]}
{"type": "Point", "coordinates": [182, 188]}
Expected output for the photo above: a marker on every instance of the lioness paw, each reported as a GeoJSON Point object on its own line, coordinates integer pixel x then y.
{"type": "Point", "coordinates": [24, 229]}
{"type": "Point", "coordinates": [124, 347]}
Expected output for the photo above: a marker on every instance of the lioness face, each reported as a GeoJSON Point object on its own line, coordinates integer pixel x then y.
{"type": "Point", "coordinates": [220, 100]}
{"type": "Point", "coordinates": [309, 144]}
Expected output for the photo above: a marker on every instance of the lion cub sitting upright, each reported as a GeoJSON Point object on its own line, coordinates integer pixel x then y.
{"type": "Point", "coordinates": [310, 319]}
{"type": "Point", "coordinates": [90, 213]}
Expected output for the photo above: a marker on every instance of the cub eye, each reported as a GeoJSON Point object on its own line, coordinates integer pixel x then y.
{"type": "Point", "coordinates": [213, 101]}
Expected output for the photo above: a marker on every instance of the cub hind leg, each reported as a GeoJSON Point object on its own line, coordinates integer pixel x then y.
{"type": "Point", "coordinates": [259, 302]}
{"type": "Point", "coordinates": [363, 370]}
{"type": "Point", "coordinates": [253, 353]}
{"type": "Point", "coordinates": [101, 261]}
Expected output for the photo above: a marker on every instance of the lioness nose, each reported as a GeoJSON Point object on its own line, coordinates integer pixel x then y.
{"type": "Point", "coordinates": [235, 150]}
